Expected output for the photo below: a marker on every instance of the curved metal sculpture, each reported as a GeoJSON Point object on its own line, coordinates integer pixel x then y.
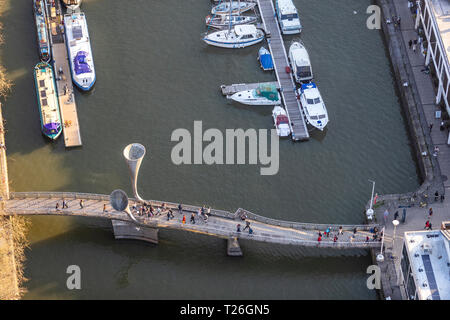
{"type": "Point", "coordinates": [134, 153]}
{"type": "Point", "coordinates": [119, 201]}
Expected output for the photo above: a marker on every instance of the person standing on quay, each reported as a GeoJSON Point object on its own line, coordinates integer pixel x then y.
{"type": "Point", "coordinates": [386, 215]}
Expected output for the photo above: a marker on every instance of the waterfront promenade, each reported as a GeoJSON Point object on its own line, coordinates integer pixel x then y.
{"type": "Point", "coordinates": [220, 223]}
{"type": "Point", "coordinates": [416, 216]}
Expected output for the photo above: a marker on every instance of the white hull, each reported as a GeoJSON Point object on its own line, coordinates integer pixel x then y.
{"type": "Point", "coordinates": [247, 97]}
{"type": "Point", "coordinates": [78, 44]}
{"type": "Point", "coordinates": [232, 45]}
{"type": "Point", "coordinates": [239, 36]}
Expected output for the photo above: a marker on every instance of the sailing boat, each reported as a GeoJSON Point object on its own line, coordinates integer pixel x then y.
{"type": "Point", "coordinates": [239, 36]}
{"type": "Point", "coordinates": [234, 7]}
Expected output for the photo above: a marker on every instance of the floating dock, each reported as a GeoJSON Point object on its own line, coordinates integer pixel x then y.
{"type": "Point", "coordinates": [233, 88]}
{"type": "Point", "coordinates": [280, 61]}
{"type": "Point", "coordinates": [67, 104]}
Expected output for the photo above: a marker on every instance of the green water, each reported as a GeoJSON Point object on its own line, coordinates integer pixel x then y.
{"type": "Point", "coordinates": [155, 75]}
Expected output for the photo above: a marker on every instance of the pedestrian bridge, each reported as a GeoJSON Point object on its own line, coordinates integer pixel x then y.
{"type": "Point", "coordinates": [221, 224]}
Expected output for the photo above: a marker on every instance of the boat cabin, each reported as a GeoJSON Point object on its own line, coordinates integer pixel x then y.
{"type": "Point", "coordinates": [288, 17]}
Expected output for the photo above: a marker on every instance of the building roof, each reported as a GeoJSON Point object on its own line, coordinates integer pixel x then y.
{"type": "Point", "coordinates": [429, 258]}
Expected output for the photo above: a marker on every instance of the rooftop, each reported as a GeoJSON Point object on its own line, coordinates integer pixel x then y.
{"type": "Point", "coordinates": [429, 257]}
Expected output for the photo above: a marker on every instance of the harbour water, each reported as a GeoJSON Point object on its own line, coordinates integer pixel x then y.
{"type": "Point", "coordinates": [155, 75]}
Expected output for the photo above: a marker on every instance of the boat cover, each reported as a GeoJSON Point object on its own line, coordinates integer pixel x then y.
{"type": "Point", "coordinates": [269, 91]}
{"type": "Point", "coordinates": [52, 127]}
{"type": "Point", "coordinates": [266, 61]}
{"type": "Point", "coordinates": [281, 119]}
{"type": "Point", "coordinates": [81, 66]}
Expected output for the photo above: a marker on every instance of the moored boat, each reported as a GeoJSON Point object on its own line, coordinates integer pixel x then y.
{"type": "Point", "coordinates": [239, 36]}
{"type": "Point", "coordinates": [72, 4]}
{"type": "Point", "coordinates": [264, 95]}
{"type": "Point", "coordinates": [301, 64]}
{"type": "Point", "coordinates": [313, 106]}
{"type": "Point", "coordinates": [281, 121]}
{"type": "Point", "coordinates": [236, 7]}
{"type": "Point", "coordinates": [265, 59]}
{"type": "Point", "coordinates": [79, 49]}
{"type": "Point", "coordinates": [222, 21]}
{"type": "Point", "coordinates": [42, 33]}
{"type": "Point", "coordinates": [288, 17]}
{"type": "Point", "coordinates": [46, 92]}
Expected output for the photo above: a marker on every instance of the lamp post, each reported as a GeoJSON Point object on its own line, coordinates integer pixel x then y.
{"type": "Point", "coordinates": [380, 257]}
{"type": "Point", "coordinates": [395, 223]}
{"type": "Point", "coordinates": [370, 211]}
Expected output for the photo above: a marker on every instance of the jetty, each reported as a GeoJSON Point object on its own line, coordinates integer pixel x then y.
{"type": "Point", "coordinates": [233, 88]}
{"type": "Point", "coordinates": [286, 83]}
{"type": "Point", "coordinates": [67, 104]}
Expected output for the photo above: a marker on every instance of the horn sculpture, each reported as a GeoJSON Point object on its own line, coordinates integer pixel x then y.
{"type": "Point", "coordinates": [119, 201]}
{"type": "Point", "coordinates": [134, 153]}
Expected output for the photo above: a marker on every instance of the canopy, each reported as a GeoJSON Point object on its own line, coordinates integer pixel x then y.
{"type": "Point", "coordinates": [81, 66]}
{"type": "Point", "coordinates": [269, 91]}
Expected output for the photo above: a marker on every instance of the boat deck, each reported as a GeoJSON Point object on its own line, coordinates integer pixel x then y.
{"type": "Point", "coordinates": [280, 61]}
{"type": "Point", "coordinates": [233, 88]}
{"type": "Point", "coordinates": [67, 104]}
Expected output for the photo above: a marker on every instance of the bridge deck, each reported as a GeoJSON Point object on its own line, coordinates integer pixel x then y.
{"type": "Point", "coordinates": [280, 61]}
{"type": "Point", "coordinates": [220, 223]}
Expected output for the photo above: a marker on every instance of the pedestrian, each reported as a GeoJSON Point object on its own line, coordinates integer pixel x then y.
{"type": "Point", "coordinates": [396, 215]}
{"type": "Point", "coordinates": [180, 208]}
{"type": "Point", "coordinates": [64, 204]}
{"type": "Point", "coordinates": [404, 215]}
{"type": "Point", "coordinates": [238, 228]}
{"type": "Point", "coordinates": [208, 212]}
{"type": "Point", "coordinates": [81, 203]}
{"type": "Point", "coordinates": [399, 19]}
{"type": "Point", "coordinates": [335, 238]}
{"type": "Point", "coordinates": [341, 231]}
{"type": "Point", "coordinates": [430, 212]}
{"type": "Point", "coordinates": [250, 230]}
{"type": "Point", "coordinates": [104, 208]}
{"type": "Point", "coordinates": [430, 127]}
{"type": "Point", "coordinates": [192, 218]}
{"type": "Point", "coordinates": [319, 238]}
{"type": "Point", "coordinates": [247, 225]}
{"type": "Point", "coordinates": [410, 44]}
{"type": "Point", "coordinates": [354, 231]}
{"type": "Point", "coordinates": [442, 198]}
{"type": "Point", "coordinates": [427, 225]}
{"type": "Point", "coordinates": [367, 239]}
{"type": "Point", "coordinates": [184, 219]}
{"type": "Point", "coordinates": [436, 196]}
{"type": "Point", "coordinates": [386, 215]}
{"type": "Point", "coordinates": [328, 232]}
{"type": "Point", "coordinates": [57, 206]}
{"type": "Point", "coordinates": [414, 47]}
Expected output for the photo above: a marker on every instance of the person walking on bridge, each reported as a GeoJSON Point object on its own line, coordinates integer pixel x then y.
{"type": "Point", "coordinates": [247, 225]}
{"type": "Point", "coordinates": [180, 208]}
{"type": "Point", "coordinates": [104, 208]}
{"type": "Point", "coordinates": [184, 219]}
{"type": "Point", "coordinates": [64, 205]}
{"type": "Point", "coordinates": [192, 218]}
{"type": "Point", "coordinates": [238, 228]}
{"type": "Point", "coordinates": [81, 203]}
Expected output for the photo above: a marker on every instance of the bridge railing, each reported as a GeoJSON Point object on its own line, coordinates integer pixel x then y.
{"type": "Point", "coordinates": [303, 226]}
